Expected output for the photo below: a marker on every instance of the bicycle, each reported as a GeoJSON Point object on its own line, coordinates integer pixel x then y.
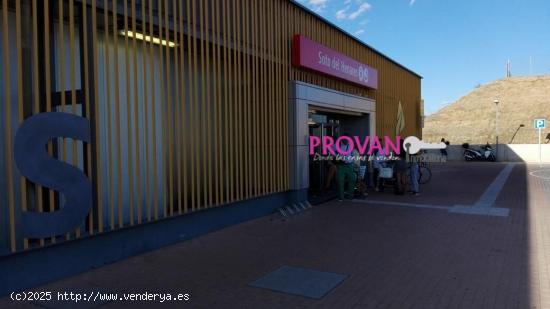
{"type": "Point", "coordinates": [424, 173]}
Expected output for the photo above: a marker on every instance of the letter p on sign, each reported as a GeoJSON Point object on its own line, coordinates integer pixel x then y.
{"type": "Point", "coordinates": [540, 123]}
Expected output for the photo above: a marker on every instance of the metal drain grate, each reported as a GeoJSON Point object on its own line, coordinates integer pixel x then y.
{"type": "Point", "coordinates": [300, 281]}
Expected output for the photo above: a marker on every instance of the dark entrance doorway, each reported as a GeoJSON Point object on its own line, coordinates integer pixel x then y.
{"type": "Point", "coordinates": [330, 122]}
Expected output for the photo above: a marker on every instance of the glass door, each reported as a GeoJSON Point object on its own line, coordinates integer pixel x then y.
{"type": "Point", "coordinates": [322, 172]}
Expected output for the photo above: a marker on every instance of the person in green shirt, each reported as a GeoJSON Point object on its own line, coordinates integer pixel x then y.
{"type": "Point", "coordinates": [346, 174]}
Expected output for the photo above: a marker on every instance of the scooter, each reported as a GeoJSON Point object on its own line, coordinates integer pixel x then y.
{"type": "Point", "coordinates": [485, 154]}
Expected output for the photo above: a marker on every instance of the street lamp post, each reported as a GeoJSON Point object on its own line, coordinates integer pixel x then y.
{"type": "Point", "coordinates": [516, 133]}
{"type": "Point", "coordinates": [496, 101]}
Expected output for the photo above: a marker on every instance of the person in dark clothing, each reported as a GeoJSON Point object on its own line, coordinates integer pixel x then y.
{"type": "Point", "coordinates": [444, 151]}
{"type": "Point", "coordinates": [400, 169]}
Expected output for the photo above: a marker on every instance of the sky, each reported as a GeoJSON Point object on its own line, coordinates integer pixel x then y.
{"type": "Point", "coordinates": [453, 45]}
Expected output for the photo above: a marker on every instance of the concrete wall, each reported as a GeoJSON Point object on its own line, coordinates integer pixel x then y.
{"type": "Point", "coordinates": [507, 153]}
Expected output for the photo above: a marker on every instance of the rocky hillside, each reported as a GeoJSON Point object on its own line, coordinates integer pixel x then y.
{"type": "Point", "coordinates": [472, 118]}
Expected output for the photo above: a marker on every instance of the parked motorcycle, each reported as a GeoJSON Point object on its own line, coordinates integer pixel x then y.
{"type": "Point", "coordinates": [486, 153]}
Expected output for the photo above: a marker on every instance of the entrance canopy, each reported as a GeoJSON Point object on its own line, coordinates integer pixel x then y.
{"type": "Point", "coordinates": [304, 98]}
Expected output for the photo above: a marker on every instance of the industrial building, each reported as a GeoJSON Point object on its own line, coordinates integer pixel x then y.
{"type": "Point", "coordinates": [129, 125]}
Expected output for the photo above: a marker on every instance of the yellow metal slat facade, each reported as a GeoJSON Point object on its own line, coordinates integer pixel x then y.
{"type": "Point", "coordinates": [187, 101]}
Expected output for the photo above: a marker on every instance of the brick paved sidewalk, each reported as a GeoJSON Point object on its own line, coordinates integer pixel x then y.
{"type": "Point", "coordinates": [395, 256]}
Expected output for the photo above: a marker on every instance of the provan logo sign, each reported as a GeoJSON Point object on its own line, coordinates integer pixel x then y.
{"type": "Point", "coordinates": [364, 146]}
{"type": "Point", "coordinates": [360, 147]}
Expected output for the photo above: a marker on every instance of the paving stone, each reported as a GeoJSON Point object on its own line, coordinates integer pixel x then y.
{"type": "Point", "coordinates": [395, 257]}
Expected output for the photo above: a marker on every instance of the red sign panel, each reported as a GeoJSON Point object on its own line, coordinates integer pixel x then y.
{"type": "Point", "coordinates": [319, 58]}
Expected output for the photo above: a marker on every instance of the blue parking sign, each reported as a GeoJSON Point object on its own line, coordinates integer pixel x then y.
{"type": "Point", "coordinates": [540, 123]}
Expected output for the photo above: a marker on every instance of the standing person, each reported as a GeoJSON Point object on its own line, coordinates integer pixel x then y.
{"type": "Point", "coordinates": [345, 174]}
{"type": "Point", "coordinates": [400, 167]}
{"type": "Point", "coordinates": [360, 170]}
{"type": "Point", "coordinates": [415, 175]}
{"type": "Point", "coordinates": [369, 176]}
{"type": "Point", "coordinates": [331, 172]}
{"type": "Point", "coordinates": [377, 163]}
{"type": "Point", "coordinates": [444, 151]}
